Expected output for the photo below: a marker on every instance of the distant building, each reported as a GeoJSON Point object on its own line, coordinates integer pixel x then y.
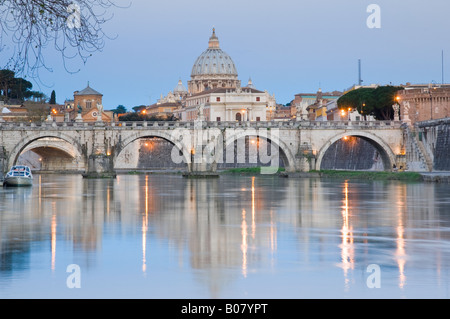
{"type": "Point", "coordinates": [28, 111]}
{"type": "Point", "coordinates": [336, 114]}
{"type": "Point", "coordinates": [13, 113]}
{"type": "Point", "coordinates": [313, 106]}
{"type": "Point", "coordinates": [69, 104]}
{"type": "Point", "coordinates": [355, 87]}
{"type": "Point", "coordinates": [228, 104]}
{"type": "Point", "coordinates": [87, 100]}
{"type": "Point", "coordinates": [423, 102]}
{"type": "Point", "coordinates": [279, 113]}
{"type": "Point", "coordinates": [168, 105]}
{"type": "Point", "coordinates": [214, 92]}
{"type": "Point", "coordinates": [213, 69]}
{"type": "Point", "coordinates": [302, 101]}
{"type": "Point", "coordinates": [162, 109]}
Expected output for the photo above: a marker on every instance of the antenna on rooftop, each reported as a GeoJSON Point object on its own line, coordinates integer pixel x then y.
{"type": "Point", "coordinates": [359, 72]}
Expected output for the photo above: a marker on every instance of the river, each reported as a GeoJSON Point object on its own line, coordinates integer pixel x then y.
{"type": "Point", "coordinates": [165, 236]}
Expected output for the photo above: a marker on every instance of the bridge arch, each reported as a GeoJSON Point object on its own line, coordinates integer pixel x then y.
{"type": "Point", "coordinates": [283, 149]}
{"type": "Point", "coordinates": [178, 143]}
{"type": "Point", "coordinates": [387, 155]}
{"type": "Point", "coordinates": [25, 144]}
{"type": "Point", "coordinates": [64, 147]}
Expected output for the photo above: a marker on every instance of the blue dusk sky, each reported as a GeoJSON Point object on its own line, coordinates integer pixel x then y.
{"type": "Point", "coordinates": [285, 46]}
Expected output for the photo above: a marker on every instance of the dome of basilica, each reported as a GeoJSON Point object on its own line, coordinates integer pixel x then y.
{"type": "Point", "coordinates": [214, 61]}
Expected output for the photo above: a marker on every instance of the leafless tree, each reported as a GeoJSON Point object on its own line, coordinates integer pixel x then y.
{"type": "Point", "coordinates": [72, 27]}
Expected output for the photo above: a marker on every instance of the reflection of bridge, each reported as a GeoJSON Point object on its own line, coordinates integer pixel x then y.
{"type": "Point", "coordinates": [201, 145]}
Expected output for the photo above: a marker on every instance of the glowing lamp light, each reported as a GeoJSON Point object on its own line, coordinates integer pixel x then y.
{"type": "Point", "coordinates": [345, 138]}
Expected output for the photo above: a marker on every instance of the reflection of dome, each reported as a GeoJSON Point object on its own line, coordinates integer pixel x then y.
{"type": "Point", "coordinates": [214, 61]}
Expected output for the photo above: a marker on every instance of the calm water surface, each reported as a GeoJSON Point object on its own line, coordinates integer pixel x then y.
{"type": "Point", "coordinates": [163, 236]}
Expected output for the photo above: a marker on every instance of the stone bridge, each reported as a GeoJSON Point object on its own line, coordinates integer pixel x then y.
{"type": "Point", "coordinates": [200, 145]}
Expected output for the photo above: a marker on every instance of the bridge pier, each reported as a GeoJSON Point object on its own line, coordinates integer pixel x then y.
{"type": "Point", "coordinates": [200, 167]}
{"type": "Point", "coordinates": [3, 163]}
{"type": "Point", "coordinates": [100, 163]}
{"type": "Point", "coordinates": [100, 166]}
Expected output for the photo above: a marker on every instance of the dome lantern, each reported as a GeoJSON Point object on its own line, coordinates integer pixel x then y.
{"type": "Point", "coordinates": [213, 41]}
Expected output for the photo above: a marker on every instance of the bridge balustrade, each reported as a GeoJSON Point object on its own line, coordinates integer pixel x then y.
{"type": "Point", "coordinates": [204, 124]}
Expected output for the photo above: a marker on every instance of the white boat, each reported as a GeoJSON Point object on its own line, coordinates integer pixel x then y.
{"type": "Point", "coordinates": [19, 175]}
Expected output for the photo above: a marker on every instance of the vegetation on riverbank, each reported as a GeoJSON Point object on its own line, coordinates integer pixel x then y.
{"type": "Point", "coordinates": [135, 173]}
{"type": "Point", "coordinates": [341, 174]}
{"type": "Point", "coordinates": [371, 175]}
{"type": "Point", "coordinates": [247, 170]}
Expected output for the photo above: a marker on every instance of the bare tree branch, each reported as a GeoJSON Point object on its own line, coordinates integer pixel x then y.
{"type": "Point", "coordinates": [73, 28]}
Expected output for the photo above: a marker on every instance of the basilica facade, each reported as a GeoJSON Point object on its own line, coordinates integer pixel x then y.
{"type": "Point", "coordinates": [215, 93]}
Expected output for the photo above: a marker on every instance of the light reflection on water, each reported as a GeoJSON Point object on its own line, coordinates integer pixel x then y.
{"type": "Point", "coordinates": [163, 236]}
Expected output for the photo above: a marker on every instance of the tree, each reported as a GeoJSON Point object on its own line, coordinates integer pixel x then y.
{"type": "Point", "coordinates": [20, 89]}
{"type": "Point", "coordinates": [139, 108]}
{"type": "Point", "coordinates": [36, 112]}
{"type": "Point", "coordinates": [52, 98]}
{"type": "Point", "coordinates": [120, 110]}
{"type": "Point", "coordinates": [6, 80]}
{"type": "Point", "coordinates": [28, 27]}
{"type": "Point", "coordinates": [377, 102]}
{"type": "Point", "coordinates": [131, 117]}
{"type": "Point", "coordinates": [14, 88]}
{"type": "Point", "coordinates": [37, 96]}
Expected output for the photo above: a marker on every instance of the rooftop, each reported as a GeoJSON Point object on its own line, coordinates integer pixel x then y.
{"type": "Point", "coordinates": [87, 91]}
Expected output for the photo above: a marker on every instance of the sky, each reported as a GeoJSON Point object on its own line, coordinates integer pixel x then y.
{"type": "Point", "coordinates": [286, 47]}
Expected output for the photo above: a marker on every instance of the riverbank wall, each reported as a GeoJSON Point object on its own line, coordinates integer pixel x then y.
{"type": "Point", "coordinates": [435, 177]}
{"type": "Point", "coordinates": [428, 146]}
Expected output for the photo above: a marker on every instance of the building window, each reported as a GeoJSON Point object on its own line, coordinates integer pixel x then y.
{"type": "Point", "coordinates": [217, 99]}
{"type": "Point", "coordinates": [218, 119]}
{"type": "Point", "coordinates": [238, 117]}
{"type": "Point", "coordinates": [258, 119]}
{"type": "Point", "coordinates": [258, 99]}
{"type": "Point", "coordinates": [88, 104]}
